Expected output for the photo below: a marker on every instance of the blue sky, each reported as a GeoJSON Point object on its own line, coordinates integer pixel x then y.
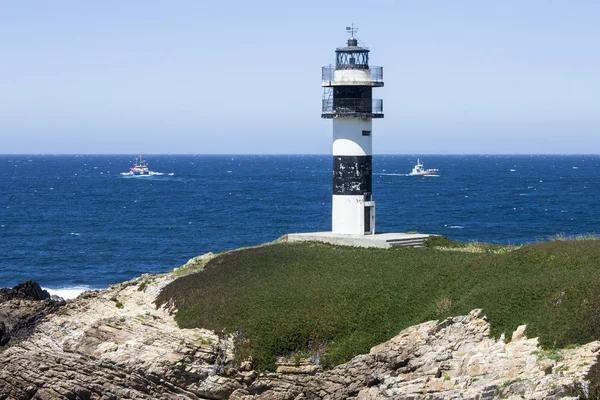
{"type": "Point", "coordinates": [244, 77]}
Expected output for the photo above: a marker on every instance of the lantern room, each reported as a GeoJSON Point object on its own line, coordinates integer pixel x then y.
{"type": "Point", "coordinates": [352, 56]}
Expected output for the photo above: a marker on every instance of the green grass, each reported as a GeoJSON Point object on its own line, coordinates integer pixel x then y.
{"type": "Point", "coordinates": [550, 354]}
{"type": "Point", "coordinates": [443, 243]}
{"type": "Point", "coordinates": [118, 304]}
{"type": "Point", "coordinates": [142, 286]}
{"type": "Point", "coordinates": [338, 302]}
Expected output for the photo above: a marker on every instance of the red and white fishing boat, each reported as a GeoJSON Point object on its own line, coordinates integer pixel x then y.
{"type": "Point", "coordinates": [140, 167]}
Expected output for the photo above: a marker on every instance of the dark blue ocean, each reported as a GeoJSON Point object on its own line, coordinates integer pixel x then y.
{"type": "Point", "coordinates": [75, 221]}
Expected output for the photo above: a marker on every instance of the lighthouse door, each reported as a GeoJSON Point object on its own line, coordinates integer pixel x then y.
{"type": "Point", "coordinates": [369, 218]}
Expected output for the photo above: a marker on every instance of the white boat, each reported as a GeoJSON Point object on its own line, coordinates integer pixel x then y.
{"type": "Point", "coordinates": [418, 170]}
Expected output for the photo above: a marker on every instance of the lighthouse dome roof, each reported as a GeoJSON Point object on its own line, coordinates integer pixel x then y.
{"type": "Point", "coordinates": [353, 49]}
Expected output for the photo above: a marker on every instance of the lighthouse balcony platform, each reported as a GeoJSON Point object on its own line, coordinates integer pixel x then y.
{"type": "Point", "coordinates": [358, 108]}
{"type": "Point", "coordinates": [372, 77]}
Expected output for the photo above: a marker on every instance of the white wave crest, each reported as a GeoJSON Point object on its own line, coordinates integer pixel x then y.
{"type": "Point", "coordinates": [69, 292]}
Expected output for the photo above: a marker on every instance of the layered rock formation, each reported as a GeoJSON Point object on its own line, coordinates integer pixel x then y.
{"type": "Point", "coordinates": [454, 359]}
{"type": "Point", "coordinates": [114, 344]}
{"type": "Point", "coordinates": [21, 308]}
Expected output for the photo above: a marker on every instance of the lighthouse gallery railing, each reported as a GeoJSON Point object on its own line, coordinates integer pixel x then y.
{"type": "Point", "coordinates": [350, 107]}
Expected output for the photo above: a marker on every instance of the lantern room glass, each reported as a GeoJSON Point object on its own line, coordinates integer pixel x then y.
{"type": "Point", "coordinates": [352, 60]}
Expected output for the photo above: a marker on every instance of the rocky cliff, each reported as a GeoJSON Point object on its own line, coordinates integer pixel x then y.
{"type": "Point", "coordinates": [115, 344]}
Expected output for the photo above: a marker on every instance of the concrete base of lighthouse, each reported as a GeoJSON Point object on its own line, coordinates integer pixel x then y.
{"type": "Point", "coordinates": [353, 215]}
{"type": "Point", "coordinates": [380, 240]}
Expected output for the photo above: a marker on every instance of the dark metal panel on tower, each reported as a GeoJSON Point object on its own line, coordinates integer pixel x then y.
{"type": "Point", "coordinates": [352, 175]}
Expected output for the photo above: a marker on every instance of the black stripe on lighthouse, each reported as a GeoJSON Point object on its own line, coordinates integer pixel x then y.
{"type": "Point", "coordinates": [352, 175]}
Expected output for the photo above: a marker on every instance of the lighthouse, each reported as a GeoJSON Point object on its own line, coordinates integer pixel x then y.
{"type": "Point", "coordinates": [348, 101]}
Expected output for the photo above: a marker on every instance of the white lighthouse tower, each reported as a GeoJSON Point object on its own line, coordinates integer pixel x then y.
{"type": "Point", "coordinates": [348, 101]}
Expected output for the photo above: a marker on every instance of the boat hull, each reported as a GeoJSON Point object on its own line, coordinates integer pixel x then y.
{"type": "Point", "coordinates": [425, 174]}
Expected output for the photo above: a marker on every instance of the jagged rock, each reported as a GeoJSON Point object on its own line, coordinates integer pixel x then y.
{"type": "Point", "coordinates": [21, 309]}
{"type": "Point", "coordinates": [114, 344]}
{"type": "Point", "coordinates": [296, 366]}
{"type": "Point", "coordinates": [27, 290]}
{"type": "Point", "coordinates": [453, 359]}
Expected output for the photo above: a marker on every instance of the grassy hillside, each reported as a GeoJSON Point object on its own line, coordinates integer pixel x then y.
{"type": "Point", "coordinates": [309, 298]}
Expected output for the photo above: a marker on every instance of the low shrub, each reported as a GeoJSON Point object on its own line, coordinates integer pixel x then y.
{"type": "Point", "coordinates": [286, 297]}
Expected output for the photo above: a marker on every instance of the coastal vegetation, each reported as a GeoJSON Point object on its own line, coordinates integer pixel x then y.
{"type": "Point", "coordinates": [333, 302]}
